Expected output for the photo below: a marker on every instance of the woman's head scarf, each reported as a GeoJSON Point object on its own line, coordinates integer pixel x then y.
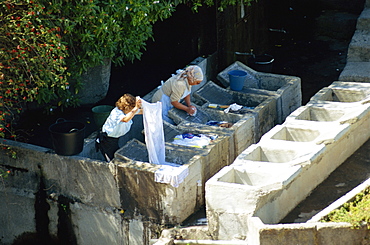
{"type": "Point", "coordinates": [194, 72]}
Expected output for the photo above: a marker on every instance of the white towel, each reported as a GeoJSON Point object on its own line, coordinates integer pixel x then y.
{"type": "Point", "coordinates": [233, 107]}
{"type": "Point", "coordinates": [169, 173]}
{"type": "Point", "coordinates": [153, 128]}
{"type": "Point", "coordinates": [199, 141]}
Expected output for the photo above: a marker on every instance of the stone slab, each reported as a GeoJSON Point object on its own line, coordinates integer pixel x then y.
{"type": "Point", "coordinates": [356, 72]}
{"type": "Point", "coordinates": [359, 47]}
{"type": "Point", "coordinates": [363, 21]}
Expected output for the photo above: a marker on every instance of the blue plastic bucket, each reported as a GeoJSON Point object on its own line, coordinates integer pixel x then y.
{"type": "Point", "coordinates": [237, 79]}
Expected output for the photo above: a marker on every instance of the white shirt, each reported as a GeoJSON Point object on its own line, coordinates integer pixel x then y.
{"type": "Point", "coordinates": [113, 125]}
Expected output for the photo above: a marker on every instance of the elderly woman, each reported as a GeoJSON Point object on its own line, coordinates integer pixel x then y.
{"type": "Point", "coordinates": [176, 88]}
{"type": "Point", "coordinates": [118, 124]}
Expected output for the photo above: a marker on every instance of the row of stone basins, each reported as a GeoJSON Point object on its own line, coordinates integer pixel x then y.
{"type": "Point", "coordinates": [246, 200]}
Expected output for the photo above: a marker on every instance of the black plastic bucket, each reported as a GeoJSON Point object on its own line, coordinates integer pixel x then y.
{"type": "Point", "coordinates": [67, 137]}
{"type": "Point", "coordinates": [262, 63]}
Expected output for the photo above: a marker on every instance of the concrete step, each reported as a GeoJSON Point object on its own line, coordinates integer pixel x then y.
{"type": "Point", "coordinates": [359, 47]}
{"type": "Point", "coordinates": [363, 21]}
{"type": "Point", "coordinates": [337, 25]}
{"type": "Point", "coordinates": [356, 72]}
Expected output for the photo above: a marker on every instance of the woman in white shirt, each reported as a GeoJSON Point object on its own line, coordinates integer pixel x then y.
{"type": "Point", "coordinates": [118, 124]}
{"type": "Point", "coordinates": [176, 88]}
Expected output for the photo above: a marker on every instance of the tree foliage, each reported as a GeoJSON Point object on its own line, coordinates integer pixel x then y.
{"type": "Point", "coordinates": [46, 44]}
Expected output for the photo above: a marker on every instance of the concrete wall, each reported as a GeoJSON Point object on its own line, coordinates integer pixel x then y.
{"type": "Point", "coordinates": [69, 199]}
{"type": "Point", "coordinates": [307, 233]}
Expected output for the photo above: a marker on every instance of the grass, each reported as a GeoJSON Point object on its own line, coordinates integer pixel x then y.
{"type": "Point", "coordinates": [356, 212]}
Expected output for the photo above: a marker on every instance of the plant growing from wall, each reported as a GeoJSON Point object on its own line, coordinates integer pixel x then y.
{"type": "Point", "coordinates": [46, 44]}
{"type": "Point", "coordinates": [356, 212]}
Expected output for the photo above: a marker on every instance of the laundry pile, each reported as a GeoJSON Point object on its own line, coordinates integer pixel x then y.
{"type": "Point", "coordinates": [194, 140]}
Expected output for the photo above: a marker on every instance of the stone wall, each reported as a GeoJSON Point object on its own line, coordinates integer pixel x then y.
{"type": "Point", "coordinates": [71, 199]}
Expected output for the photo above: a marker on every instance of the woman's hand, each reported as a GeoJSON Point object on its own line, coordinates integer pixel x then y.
{"type": "Point", "coordinates": [191, 110]}
{"type": "Point", "coordinates": [138, 102]}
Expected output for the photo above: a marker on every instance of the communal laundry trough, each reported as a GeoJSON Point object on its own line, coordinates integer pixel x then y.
{"type": "Point", "coordinates": [194, 167]}
{"type": "Point", "coordinates": [241, 127]}
{"type": "Point", "coordinates": [319, 114]}
{"type": "Point", "coordinates": [299, 133]}
{"type": "Point", "coordinates": [244, 175]}
{"type": "Point", "coordinates": [342, 93]}
{"type": "Point", "coordinates": [296, 134]}
{"type": "Point", "coordinates": [141, 182]}
{"type": "Point", "coordinates": [262, 107]}
{"type": "Point", "coordinates": [316, 139]}
{"type": "Point", "coordinates": [287, 88]}
{"type": "Point", "coordinates": [279, 153]}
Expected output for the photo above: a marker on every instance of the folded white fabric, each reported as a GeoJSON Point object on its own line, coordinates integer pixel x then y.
{"type": "Point", "coordinates": [172, 174]}
{"type": "Point", "coordinates": [234, 107]}
{"type": "Point", "coordinates": [199, 140]}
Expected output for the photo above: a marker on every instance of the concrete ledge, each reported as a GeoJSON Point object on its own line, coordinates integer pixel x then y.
{"type": "Point", "coordinates": [305, 233]}
{"type": "Point", "coordinates": [287, 88]}
{"type": "Point", "coordinates": [348, 197]}
{"type": "Point", "coordinates": [33, 162]}
{"type": "Point", "coordinates": [359, 47]}
{"type": "Point", "coordinates": [363, 21]}
{"type": "Point", "coordinates": [356, 72]}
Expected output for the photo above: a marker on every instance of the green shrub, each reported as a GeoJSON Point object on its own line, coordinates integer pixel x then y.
{"type": "Point", "coordinates": [356, 212]}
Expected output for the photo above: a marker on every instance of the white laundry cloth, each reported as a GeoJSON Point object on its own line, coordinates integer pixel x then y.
{"type": "Point", "coordinates": [172, 174]}
{"type": "Point", "coordinates": [169, 173]}
{"type": "Point", "coordinates": [234, 107]}
{"type": "Point", "coordinates": [200, 140]}
{"type": "Point", "coordinates": [153, 128]}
